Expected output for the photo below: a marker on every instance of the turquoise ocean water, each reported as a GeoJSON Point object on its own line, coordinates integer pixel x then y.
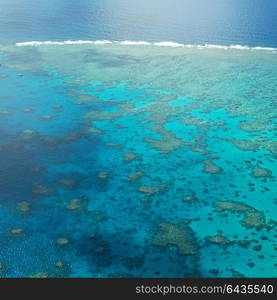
{"type": "Point", "coordinates": [122, 158]}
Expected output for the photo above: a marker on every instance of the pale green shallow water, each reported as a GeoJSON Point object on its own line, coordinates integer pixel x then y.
{"type": "Point", "coordinates": [195, 129]}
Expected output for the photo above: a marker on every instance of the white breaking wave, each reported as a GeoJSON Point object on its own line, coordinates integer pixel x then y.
{"type": "Point", "coordinates": [145, 43]}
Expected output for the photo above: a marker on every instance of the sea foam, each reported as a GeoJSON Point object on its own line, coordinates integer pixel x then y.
{"type": "Point", "coordinates": [144, 43]}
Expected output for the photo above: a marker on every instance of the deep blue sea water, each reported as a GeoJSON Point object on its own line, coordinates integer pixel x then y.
{"type": "Point", "coordinates": [126, 159]}
{"type": "Point", "coordinates": [223, 22]}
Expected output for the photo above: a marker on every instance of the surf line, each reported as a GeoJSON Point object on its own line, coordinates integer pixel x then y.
{"type": "Point", "coordinates": [144, 43]}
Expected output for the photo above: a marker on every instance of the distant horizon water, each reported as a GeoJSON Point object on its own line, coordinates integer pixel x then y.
{"type": "Point", "coordinates": [249, 23]}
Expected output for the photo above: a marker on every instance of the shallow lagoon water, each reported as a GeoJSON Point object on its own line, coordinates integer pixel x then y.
{"type": "Point", "coordinates": [137, 160]}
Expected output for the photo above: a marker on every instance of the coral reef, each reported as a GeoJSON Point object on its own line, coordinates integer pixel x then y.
{"type": "Point", "coordinates": [243, 243]}
{"type": "Point", "coordinates": [254, 145]}
{"type": "Point", "coordinates": [135, 176]}
{"type": "Point", "coordinates": [72, 136]}
{"type": "Point", "coordinates": [168, 143]}
{"type": "Point", "coordinates": [71, 181]}
{"type": "Point", "coordinates": [74, 204]}
{"type": "Point", "coordinates": [27, 110]}
{"type": "Point", "coordinates": [270, 145]}
{"type": "Point", "coordinates": [59, 265]}
{"type": "Point", "coordinates": [40, 275]}
{"type": "Point", "coordinates": [200, 150]}
{"type": "Point", "coordinates": [176, 235]}
{"type": "Point", "coordinates": [232, 206]}
{"type": "Point", "coordinates": [23, 206]}
{"type": "Point", "coordinates": [47, 117]}
{"type": "Point", "coordinates": [253, 219]}
{"type": "Point", "coordinates": [113, 145]}
{"type": "Point", "coordinates": [94, 130]}
{"type": "Point", "coordinates": [248, 145]}
{"type": "Point", "coordinates": [218, 239]}
{"type": "Point", "coordinates": [17, 231]}
{"type": "Point", "coordinates": [103, 175]}
{"type": "Point", "coordinates": [62, 241]}
{"type": "Point", "coordinates": [253, 126]}
{"type": "Point", "coordinates": [151, 190]}
{"type": "Point", "coordinates": [4, 113]}
{"type": "Point", "coordinates": [42, 190]}
{"type": "Point", "coordinates": [28, 135]}
{"type": "Point", "coordinates": [190, 199]}
{"type": "Point", "coordinates": [101, 115]}
{"type": "Point", "coordinates": [259, 172]}
{"type": "Point", "coordinates": [195, 121]}
{"type": "Point", "coordinates": [126, 137]}
{"type": "Point", "coordinates": [211, 168]}
{"type": "Point", "coordinates": [130, 156]}
{"type": "Point", "coordinates": [165, 145]}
